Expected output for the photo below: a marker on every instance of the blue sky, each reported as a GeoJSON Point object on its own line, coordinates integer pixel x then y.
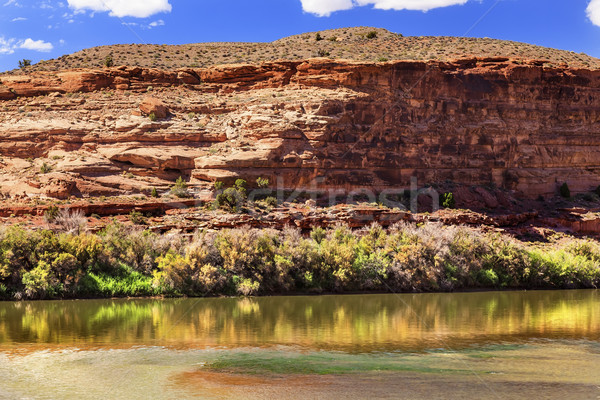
{"type": "Point", "coordinates": [44, 29]}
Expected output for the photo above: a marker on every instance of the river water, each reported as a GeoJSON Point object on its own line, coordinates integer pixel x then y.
{"type": "Point", "coordinates": [509, 345]}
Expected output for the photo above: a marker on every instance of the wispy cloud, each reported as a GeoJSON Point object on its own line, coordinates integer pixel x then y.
{"type": "Point", "coordinates": [593, 12]}
{"type": "Point", "coordinates": [154, 24]}
{"type": "Point", "coordinates": [18, 19]}
{"type": "Point", "coordinates": [123, 8]}
{"type": "Point", "coordinates": [324, 8]}
{"type": "Point", "coordinates": [6, 45]}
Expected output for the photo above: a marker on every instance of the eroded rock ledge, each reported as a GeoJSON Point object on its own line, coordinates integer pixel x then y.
{"type": "Point", "coordinates": [318, 123]}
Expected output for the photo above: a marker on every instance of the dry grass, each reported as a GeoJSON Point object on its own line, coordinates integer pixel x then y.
{"type": "Point", "coordinates": [344, 43]}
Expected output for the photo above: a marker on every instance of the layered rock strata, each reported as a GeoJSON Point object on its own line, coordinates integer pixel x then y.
{"type": "Point", "coordinates": [316, 124]}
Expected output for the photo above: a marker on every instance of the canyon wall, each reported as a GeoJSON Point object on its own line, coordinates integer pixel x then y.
{"type": "Point", "coordinates": [317, 123]}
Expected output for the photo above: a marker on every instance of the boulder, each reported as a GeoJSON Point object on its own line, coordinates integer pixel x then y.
{"type": "Point", "coordinates": [152, 105]}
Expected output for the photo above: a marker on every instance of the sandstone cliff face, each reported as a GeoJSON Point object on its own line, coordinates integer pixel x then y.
{"type": "Point", "coordinates": [317, 124]}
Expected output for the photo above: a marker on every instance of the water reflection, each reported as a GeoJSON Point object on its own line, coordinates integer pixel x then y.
{"type": "Point", "coordinates": [352, 323]}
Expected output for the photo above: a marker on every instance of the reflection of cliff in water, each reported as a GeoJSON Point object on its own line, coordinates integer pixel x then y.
{"type": "Point", "coordinates": [359, 323]}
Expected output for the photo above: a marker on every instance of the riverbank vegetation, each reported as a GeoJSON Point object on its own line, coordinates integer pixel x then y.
{"type": "Point", "coordinates": [126, 261]}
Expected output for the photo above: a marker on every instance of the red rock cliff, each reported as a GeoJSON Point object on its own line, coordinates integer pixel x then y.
{"type": "Point", "coordinates": [314, 123]}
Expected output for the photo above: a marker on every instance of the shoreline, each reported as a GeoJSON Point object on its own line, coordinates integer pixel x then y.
{"type": "Point", "coordinates": [304, 294]}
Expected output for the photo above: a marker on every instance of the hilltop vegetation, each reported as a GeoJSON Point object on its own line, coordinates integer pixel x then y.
{"type": "Point", "coordinates": [360, 44]}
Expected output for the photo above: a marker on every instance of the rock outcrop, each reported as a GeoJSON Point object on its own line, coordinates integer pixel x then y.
{"type": "Point", "coordinates": [316, 124]}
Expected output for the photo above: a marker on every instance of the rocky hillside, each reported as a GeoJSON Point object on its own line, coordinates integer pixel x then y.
{"type": "Point", "coordinates": [314, 124]}
{"type": "Point", "coordinates": [358, 44]}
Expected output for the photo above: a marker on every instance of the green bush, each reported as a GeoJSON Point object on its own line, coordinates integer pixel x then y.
{"type": "Point", "coordinates": [180, 189]}
{"type": "Point", "coordinates": [108, 61]}
{"type": "Point", "coordinates": [271, 201]}
{"type": "Point", "coordinates": [371, 34]}
{"type": "Point", "coordinates": [137, 217]}
{"type": "Point", "coordinates": [318, 37]}
{"type": "Point", "coordinates": [154, 192]}
{"type": "Point", "coordinates": [51, 214]}
{"type": "Point", "coordinates": [218, 185]}
{"type": "Point", "coordinates": [262, 182]}
{"type": "Point", "coordinates": [232, 198]}
{"type": "Point", "coordinates": [39, 283]}
{"type": "Point", "coordinates": [124, 260]}
{"type": "Point", "coordinates": [447, 200]}
{"type": "Point", "coordinates": [45, 168]}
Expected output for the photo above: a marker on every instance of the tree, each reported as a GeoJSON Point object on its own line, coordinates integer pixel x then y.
{"type": "Point", "coordinates": [24, 63]}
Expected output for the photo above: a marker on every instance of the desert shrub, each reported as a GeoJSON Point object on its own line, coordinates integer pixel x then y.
{"type": "Point", "coordinates": [70, 221]}
{"type": "Point", "coordinates": [137, 217]}
{"type": "Point", "coordinates": [50, 214]}
{"type": "Point", "coordinates": [125, 284]}
{"type": "Point", "coordinates": [371, 35]}
{"type": "Point", "coordinates": [564, 270]}
{"type": "Point", "coordinates": [246, 286]}
{"type": "Point", "coordinates": [153, 116]}
{"type": "Point", "coordinates": [4, 292]}
{"type": "Point", "coordinates": [17, 253]}
{"type": "Point", "coordinates": [45, 168]}
{"type": "Point", "coordinates": [232, 198]}
{"type": "Point", "coordinates": [586, 248]}
{"type": "Point", "coordinates": [372, 259]}
{"type": "Point", "coordinates": [108, 61]}
{"type": "Point", "coordinates": [318, 234]}
{"type": "Point", "coordinates": [136, 248]}
{"type": "Point", "coordinates": [337, 252]}
{"type": "Point", "coordinates": [487, 278]}
{"type": "Point", "coordinates": [40, 283]}
{"type": "Point", "coordinates": [218, 185]}
{"type": "Point", "coordinates": [318, 37]}
{"type": "Point", "coordinates": [123, 260]}
{"type": "Point", "coordinates": [565, 191]}
{"type": "Point", "coordinates": [154, 192]}
{"type": "Point", "coordinates": [447, 200]}
{"type": "Point", "coordinates": [322, 53]}
{"type": "Point", "coordinates": [271, 201]}
{"type": "Point", "coordinates": [174, 274]}
{"type": "Point", "coordinates": [180, 189]}
{"type": "Point", "coordinates": [262, 182]}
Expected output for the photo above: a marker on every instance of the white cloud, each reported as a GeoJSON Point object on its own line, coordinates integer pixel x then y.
{"type": "Point", "coordinates": [324, 8]}
{"type": "Point", "coordinates": [6, 45]}
{"type": "Point", "coordinates": [37, 45]}
{"type": "Point", "coordinates": [19, 19]}
{"type": "Point", "coordinates": [593, 12]}
{"type": "Point", "coordinates": [154, 24]}
{"type": "Point", "coordinates": [123, 8]}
